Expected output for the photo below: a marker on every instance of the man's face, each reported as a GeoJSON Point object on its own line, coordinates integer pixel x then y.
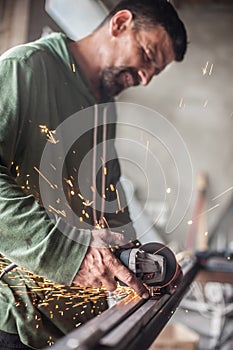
{"type": "Point", "coordinates": [137, 57]}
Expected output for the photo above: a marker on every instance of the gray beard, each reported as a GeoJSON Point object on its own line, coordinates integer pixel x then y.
{"type": "Point", "coordinates": [111, 85]}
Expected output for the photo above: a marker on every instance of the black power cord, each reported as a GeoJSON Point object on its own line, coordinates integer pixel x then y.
{"type": "Point", "coordinates": [7, 269]}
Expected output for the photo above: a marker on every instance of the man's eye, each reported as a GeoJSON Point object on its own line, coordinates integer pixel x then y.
{"type": "Point", "coordinates": [146, 55]}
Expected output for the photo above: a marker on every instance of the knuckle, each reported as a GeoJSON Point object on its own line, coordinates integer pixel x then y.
{"type": "Point", "coordinates": [102, 274]}
{"type": "Point", "coordinates": [109, 258]}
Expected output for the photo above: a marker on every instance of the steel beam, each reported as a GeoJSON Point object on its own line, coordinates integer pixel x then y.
{"type": "Point", "coordinates": [132, 323]}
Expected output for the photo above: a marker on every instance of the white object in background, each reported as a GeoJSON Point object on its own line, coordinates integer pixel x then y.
{"type": "Point", "coordinates": [77, 18]}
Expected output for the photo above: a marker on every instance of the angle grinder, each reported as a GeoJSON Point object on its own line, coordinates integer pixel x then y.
{"type": "Point", "coordinates": [152, 263]}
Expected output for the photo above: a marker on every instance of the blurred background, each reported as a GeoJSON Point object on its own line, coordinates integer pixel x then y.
{"type": "Point", "coordinates": [194, 99]}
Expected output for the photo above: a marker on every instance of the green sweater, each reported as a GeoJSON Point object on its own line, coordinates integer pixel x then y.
{"type": "Point", "coordinates": [40, 87]}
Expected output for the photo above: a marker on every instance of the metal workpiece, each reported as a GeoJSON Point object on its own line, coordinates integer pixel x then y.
{"type": "Point", "coordinates": [88, 335]}
{"type": "Point", "coordinates": [132, 323]}
{"type": "Point", "coordinates": [122, 336]}
{"type": "Point", "coordinates": [141, 328]}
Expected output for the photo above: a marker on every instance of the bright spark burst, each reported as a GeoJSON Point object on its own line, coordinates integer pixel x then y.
{"type": "Point", "coordinates": [50, 341]}
{"type": "Point", "coordinates": [49, 133]}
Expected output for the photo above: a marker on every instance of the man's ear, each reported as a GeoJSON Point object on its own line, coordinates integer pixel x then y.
{"type": "Point", "coordinates": [121, 21]}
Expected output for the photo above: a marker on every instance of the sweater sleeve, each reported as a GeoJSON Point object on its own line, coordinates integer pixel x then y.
{"type": "Point", "coordinates": [29, 237]}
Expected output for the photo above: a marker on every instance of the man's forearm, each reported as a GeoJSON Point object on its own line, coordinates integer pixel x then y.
{"type": "Point", "coordinates": [50, 248]}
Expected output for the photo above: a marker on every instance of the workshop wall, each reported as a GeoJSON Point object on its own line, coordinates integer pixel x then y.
{"type": "Point", "coordinates": [196, 97]}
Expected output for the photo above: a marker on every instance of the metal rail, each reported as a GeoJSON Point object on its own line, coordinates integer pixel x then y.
{"type": "Point", "coordinates": [132, 323]}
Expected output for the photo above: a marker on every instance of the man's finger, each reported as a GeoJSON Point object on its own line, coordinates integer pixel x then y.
{"type": "Point", "coordinates": [109, 284]}
{"type": "Point", "coordinates": [126, 276]}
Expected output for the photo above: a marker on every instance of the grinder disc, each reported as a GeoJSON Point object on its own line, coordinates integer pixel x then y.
{"type": "Point", "coordinates": [171, 263]}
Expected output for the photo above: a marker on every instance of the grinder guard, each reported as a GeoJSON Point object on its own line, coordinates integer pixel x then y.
{"type": "Point", "coordinates": [153, 263]}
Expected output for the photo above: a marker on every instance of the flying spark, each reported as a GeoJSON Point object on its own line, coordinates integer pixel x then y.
{"type": "Point", "coordinates": [211, 69]}
{"type": "Point", "coordinates": [204, 70]}
{"type": "Point", "coordinates": [52, 166]}
{"type": "Point", "coordinates": [181, 104]}
{"type": "Point", "coordinates": [221, 194]}
{"type": "Point", "coordinates": [62, 212]}
{"type": "Point", "coordinates": [204, 212]}
{"type": "Point", "coordinates": [69, 182]}
{"type": "Point", "coordinates": [106, 223]}
{"type": "Point", "coordinates": [205, 104]}
{"type": "Point", "coordinates": [159, 250]}
{"type": "Point", "coordinates": [118, 200]}
{"type": "Point", "coordinates": [45, 178]}
{"type": "Point", "coordinates": [147, 150]}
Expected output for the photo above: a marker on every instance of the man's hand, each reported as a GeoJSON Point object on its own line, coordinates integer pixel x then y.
{"type": "Point", "coordinates": [100, 266]}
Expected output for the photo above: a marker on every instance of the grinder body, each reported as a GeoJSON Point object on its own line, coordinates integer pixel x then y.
{"type": "Point", "coordinates": [153, 263]}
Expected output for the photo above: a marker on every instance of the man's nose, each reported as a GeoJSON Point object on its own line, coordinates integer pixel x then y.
{"type": "Point", "coordinates": [145, 76]}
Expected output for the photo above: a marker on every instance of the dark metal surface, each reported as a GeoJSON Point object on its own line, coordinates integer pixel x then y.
{"type": "Point", "coordinates": [88, 335]}
{"type": "Point", "coordinates": [122, 336]}
{"type": "Point", "coordinates": [151, 330]}
{"type": "Point", "coordinates": [131, 324]}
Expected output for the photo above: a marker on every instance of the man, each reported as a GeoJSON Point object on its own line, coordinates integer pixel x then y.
{"type": "Point", "coordinates": [42, 85]}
